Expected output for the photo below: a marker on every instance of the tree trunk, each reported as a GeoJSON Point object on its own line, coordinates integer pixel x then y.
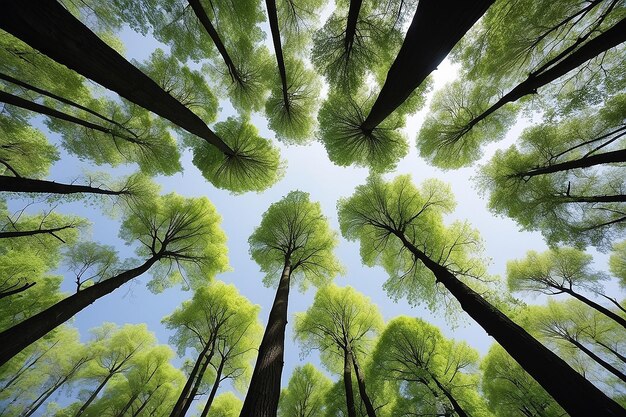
{"type": "Point", "coordinates": [353, 18]}
{"type": "Point", "coordinates": [601, 43]}
{"type": "Point", "coordinates": [26, 367]}
{"type": "Point", "coordinates": [586, 162]}
{"type": "Point", "coordinates": [264, 391]}
{"type": "Point", "coordinates": [186, 396]}
{"type": "Point", "coordinates": [278, 49]}
{"type": "Point", "coordinates": [455, 404]}
{"type": "Point", "coordinates": [16, 338]}
{"type": "Point", "coordinates": [610, 314]}
{"type": "Point", "coordinates": [145, 402]}
{"type": "Point", "coordinates": [42, 399]}
{"type": "Point", "coordinates": [94, 394]}
{"type": "Point", "coordinates": [21, 233]}
{"type": "Point", "coordinates": [13, 291]}
{"type": "Point", "coordinates": [610, 349]}
{"type": "Point", "coordinates": [28, 185]}
{"type": "Point", "coordinates": [436, 27]}
{"type": "Point", "coordinates": [50, 112]}
{"type": "Point", "coordinates": [128, 404]}
{"type": "Point", "coordinates": [360, 378]}
{"type": "Point", "coordinates": [214, 388]}
{"type": "Point", "coordinates": [217, 41]}
{"type": "Point", "coordinates": [48, 27]}
{"type": "Point", "coordinates": [571, 390]}
{"type": "Point", "coordinates": [598, 359]}
{"type": "Point", "coordinates": [618, 198]}
{"type": "Point", "coordinates": [347, 382]}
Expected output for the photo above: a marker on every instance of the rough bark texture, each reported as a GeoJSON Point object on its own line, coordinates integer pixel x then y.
{"type": "Point", "coordinates": [572, 391]}
{"type": "Point", "coordinates": [360, 378]}
{"type": "Point", "coordinates": [48, 27]}
{"type": "Point", "coordinates": [16, 338]}
{"type": "Point", "coordinates": [586, 162]}
{"type": "Point", "coordinates": [278, 49]}
{"type": "Point", "coordinates": [185, 398]}
{"type": "Point", "coordinates": [347, 382]}
{"type": "Point", "coordinates": [436, 27]}
{"type": "Point", "coordinates": [264, 391]}
{"type": "Point", "coordinates": [28, 185]}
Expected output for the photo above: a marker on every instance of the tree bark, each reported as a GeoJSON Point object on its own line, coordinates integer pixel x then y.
{"type": "Point", "coordinates": [94, 394]}
{"type": "Point", "coordinates": [586, 162]}
{"type": "Point", "coordinates": [278, 49]}
{"type": "Point", "coordinates": [21, 233]}
{"type": "Point", "coordinates": [186, 396]}
{"type": "Point", "coordinates": [353, 18]}
{"type": "Point", "coordinates": [598, 359]}
{"type": "Point", "coordinates": [28, 185]}
{"type": "Point", "coordinates": [214, 388]}
{"type": "Point", "coordinates": [436, 27]}
{"type": "Point", "coordinates": [455, 404]}
{"type": "Point", "coordinates": [347, 382]}
{"type": "Point", "coordinates": [601, 43]}
{"type": "Point", "coordinates": [48, 27]}
{"type": "Point", "coordinates": [572, 391]}
{"type": "Point", "coordinates": [217, 40]}
{"type": "Point", "coordinates": [610, 314]}
{"type": "Point", "coordinates": [16, 338]}
{"type": "Point", "coordinates": [360, 378]}
{"type": "Point", "coordinates": [264, 391]}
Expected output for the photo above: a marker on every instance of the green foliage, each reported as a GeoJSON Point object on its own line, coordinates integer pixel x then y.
{"type": "Point", "coordinates": [305, 393]}
{"type": "Point", "coordinates": [254, 165]}
{"type": "Point", "coordinates": [225, 405]}
{"type": "Point", "coordinates": [617, 262]}
{"type": "Point", "coordinates": [294, 230]}
{"type": "Point", "coordinates": [185, 232]}
{"type": "Point", "coordinates": [91, 262]}
{"type": "Point", "coordinates": [340, 119]}
{"type": "Point", "coordinates": [24, 150]}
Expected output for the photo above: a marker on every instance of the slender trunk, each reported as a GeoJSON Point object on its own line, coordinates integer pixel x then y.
{"type": "Point", "coordinates": [572, 391]}
{"type": "Point", "coordinates": [586, 162]}
{"type": "Point", "coordinates": [360, 378]}
{"type": "Point", "coordinates": [610, 349]}
{"type": "Point", "coordinates": [94, 394]}
{"type": "Point", "coordinates": [436, 27]}
{"type": "Point", "coordinates": [49, 111]}
{"type": "Point", "coordinates": [17, 290]}
{"type": "Point", "coordinates": [613, 301]}
{"type": "Point", "coordinates": [214, 388]}
{"type": "Point", "coordinates": [196, 386]}
{"type": "Point", "coordinates": [601, 43]}
{"type": "Point", "coordinates": [16, 338]}
{"type": "Point", "coordinates": [278, 49]}
{"type": "Point", "coordinates": [41, 399]}
{"type": "Point", "coordinates": [264, 391]}
{"type": "Point", "coordinates": [610, 314]}
{"type": "Point", "coordinates": [598, 359]}
{"type": "Point", "coordinates": [455, 404]}
{"type": "Point", "coordinates": [21, 233]}
{"type": "Point", "coordinates": [347, 382]}
{"type": "Point", "coordinates": [185, 398]}
{"type": "Point", "coordinates": [353, 18]}
{"type": "Point", "coordinates": [48, 27]}
{"type": "Point", "coordinates": [217, 40]}
{"type": "Point", "coordinates": [46, 93]}
{"type": "Point", "coordinates": [26, 367]}
{"type": "Point", "coordinates": [145, 402]}
{"type": "Point", "coordinates": [128, 404]}
{"type": "Point", "coordinates": [29, 185]}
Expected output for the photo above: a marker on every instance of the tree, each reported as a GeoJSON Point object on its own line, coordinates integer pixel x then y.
{"type": "Point", "coordinates": [617, 262]}
{"type": "Point", "coordinates": [564, 178]}
{"type": "Point", "coordinates": [305, 393]}
{"type": "Point", "coordinates": [400, 227]}
{"type": "Point", "coordinates": [558, 271]}
{"type": "Point", "coordinates": [414, 352]}
{"type": "Point", "coordinates": [294, 237]}
{"type": "Point", "coordinates": [342, 324]}
{"type": "Point", "coordinates": [226, 405]}
{"type": "Point", "coordinates": [177, 235]}
{"type": "Point", "coordinates": [220, 325]}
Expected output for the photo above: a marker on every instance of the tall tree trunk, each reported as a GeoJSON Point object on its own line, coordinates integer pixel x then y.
{"type": "Point", "coordinates": [353, 18]}
{"type": "Point", "coordinates": [571, 390]}
{"type": "Point", "coordinates": [16, 338]}
{"type": "Point", "coordinates": [598, 307]}
{"type": "Point", "coordinates": [455, 404]}
{"type": "Point", "coordinates": [48, 27]}
{"type": "Point", "coordinates": [186, 397]}
{"type": "Point", "coordinates": [214, 388]}
{"type": "Point", "coordinates": [278, 49]}
{"type": "Point", "coordinates": [598, 45]}
{"type": "Point", "coordinates": [94, 394]}
{"type": "Point", "coordinates": [347, 382]}
{"type": "Point", "coordinates": [217, 40]}
{"type": "Point", "coordinates": [26, 367]}
{"type": "Point", "coordinates": [586, 162]}
{"type": "Point", "coordinates": [264, 390]}
{"type": "Point", "coordinates": [34, 406]}
{"type": "Point", "coordinates": [598, 359]}
{"type": "Point", "coordinates": [360, 378]}
{"type": "Point", "coordinates": [71, 103]}
{"type": "Point", "coordinates": [436, 27]}
{"type": "Point", "coordinates": [28, 185]}
{"type": "Point", "coordinates": [198, 381]}
{"type": "Point", "coordinates": [128, 404]}
{"type": "Point", "coordinates": [21, 233]}
{"type": "Point", "coordinates": [48, 111]}
{"type": "Point", "coordinates": [610, 349]}
{"type": "Point", "coordinates": [145, 402]}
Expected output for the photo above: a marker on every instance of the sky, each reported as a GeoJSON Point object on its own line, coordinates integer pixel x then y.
{"type": "Point", "coordinates": [309, 170]}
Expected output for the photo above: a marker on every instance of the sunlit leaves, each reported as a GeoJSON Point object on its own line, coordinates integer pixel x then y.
{"type": "Point", "coordinates": [305, 394]}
